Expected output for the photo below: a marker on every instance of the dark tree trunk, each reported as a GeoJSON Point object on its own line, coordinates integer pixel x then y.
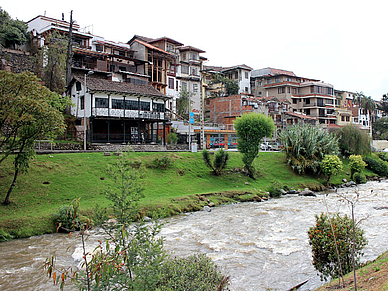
{"type": "Point", "coordinates": [15, 176]}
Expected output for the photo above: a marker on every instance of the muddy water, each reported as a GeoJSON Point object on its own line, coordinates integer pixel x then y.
{"type": "Point", "coordinates": [262, 246]}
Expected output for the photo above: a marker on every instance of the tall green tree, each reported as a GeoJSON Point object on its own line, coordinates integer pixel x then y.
{"type": "Point", "coordinates": [28, 111]}
{"type": "Point", "coordinates": [51, 62]}
{"type": "Point", "coordinates": [366, 103]}
{"type": "Point", "coordinates": [380, 129]}
{"type": "Point", "coordinates": [353, 141]}
{"type": "Point", "coordinates": [183, 103]}
{"type": "Point", "coordinates": [383, 105]}
{"type": "Point", "coordinates": [12, 32]}
{"type": "Point", "coordinates": [251, 128]}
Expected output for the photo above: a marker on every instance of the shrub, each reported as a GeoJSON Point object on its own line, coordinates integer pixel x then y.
{"type": "Point", "coordinates": [66, 219]}
{"type": "Point", "coordinates": [221, 158]}
{"type": "Point", "coordinates": [383, 156]}
{"type": "Point", "coordinates": [379, 167]}
{"type": "Point", "coordinates": [172, 138]}
{"type": "Point", "coordinates": [162, 163]}
{"type": "Point", "coordinates": [359, 178]}
{"type": "Point", "coordinates": [331, 165]}
{"type": "Point", "coordinates": [196, 272]}
{"type": "Point", "coordinates": [356, 164]}
{"type": "Point", "coordinates": [323, 247]}
{"type": "Point", "coordinates": [99, 215]}
{"type": "Point", "coordinates": [306, 146]}
{"type": "Point", "coordinates": [275, 190]}
{"type": "Point", "coordinates": [4, 235]}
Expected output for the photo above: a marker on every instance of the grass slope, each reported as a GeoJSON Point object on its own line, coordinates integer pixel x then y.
{"type": "Point", "coordinates": [55, 180]}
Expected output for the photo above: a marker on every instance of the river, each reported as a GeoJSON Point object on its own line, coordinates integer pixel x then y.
{"type": "Point", "coordinates": [262, 246]}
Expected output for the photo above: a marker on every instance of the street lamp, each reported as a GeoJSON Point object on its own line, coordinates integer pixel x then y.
{"type": "Point", "coordinates": [89, 73]}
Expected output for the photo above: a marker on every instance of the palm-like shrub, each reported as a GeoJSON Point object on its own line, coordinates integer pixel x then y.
{"type": "Point", "coordinates": [219, 163]}
{"type": "Point", "coordinates": [306, 146]}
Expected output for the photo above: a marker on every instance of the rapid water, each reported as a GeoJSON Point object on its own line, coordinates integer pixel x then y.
{"type": "Point", "coordinates": [262, 246]}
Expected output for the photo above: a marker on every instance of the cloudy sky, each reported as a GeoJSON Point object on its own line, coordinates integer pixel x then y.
{"type": "Point", "coordinates": [341, 42]}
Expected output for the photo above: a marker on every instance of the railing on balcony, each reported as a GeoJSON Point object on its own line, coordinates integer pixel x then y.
{"type": "Point", "coordinates": [127, 138]}
{"type": "Point", "coordinates": [109, 112]}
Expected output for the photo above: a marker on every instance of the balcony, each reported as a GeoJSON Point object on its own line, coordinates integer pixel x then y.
{"type": "Point", "coordinates": [132, 114]}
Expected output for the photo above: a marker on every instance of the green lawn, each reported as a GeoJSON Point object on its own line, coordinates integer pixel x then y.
{"type": "Point", "coordinates": [55, 180]}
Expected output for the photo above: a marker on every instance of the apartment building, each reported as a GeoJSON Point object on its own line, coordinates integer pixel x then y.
{"type": "Point", "coordinates": [307, 96]}
{"type": "Point", "coordinates": [343, 107]}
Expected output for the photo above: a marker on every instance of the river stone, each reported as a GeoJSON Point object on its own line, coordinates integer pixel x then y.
{"type": "Point", "coordinates": [284, 192]}
{"type": "Point", "coordinates": [207, 209]}
{"type": "Point", "coordinates": [292, 192]}
{"type": "Point", "coordinates": [351, 184]}
{"type": "Point", "coordinates": [307, 192]}
{"type": "Point", "coordinates": [211, 204]}
{"type": "Point", "coordinates": [147, 219]}
{"type": "Point", "coordinates": [344, 180]}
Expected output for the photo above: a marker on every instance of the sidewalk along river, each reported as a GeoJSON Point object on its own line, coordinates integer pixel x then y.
{"type": "Point", "coordinates": [262, 246]}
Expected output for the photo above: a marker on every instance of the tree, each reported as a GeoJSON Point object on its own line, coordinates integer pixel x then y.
{"type": "Point", "coordinates": [356, 164]}
{"type": "Point", "coordinates": [219, 163]}
{"type": "Point", "coordinates": [380, 128]}
{"type": "Point", "coordinates": [335, 241]}
{"type": "Point", "coordinates": [127, 188]}
{"type": "Point", "coordinates": [251, 128]}
{"type": "Point", "coordinates": [28, 111]}
{"type": "Point", "coordinates": [366, 103]}
{"type": "Point", "coordinates": [231, 86]}
{"type": "Point", "coordinates": [383, 104]}
{"type": "Point", "coordinates": [306, 146]}
{"type": "Point", "coordinates": [331, 165]}
{"type": "Point", "coordinates": [12, 32]}
{"type": "Point", "coordinates": [50, 62]}
{"type": "Point", "coordinates": [353, 141]}
{"type": "Point", "coordinates": [183, 103]}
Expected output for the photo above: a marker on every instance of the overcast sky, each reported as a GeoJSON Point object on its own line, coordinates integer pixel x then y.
{"type": "Point", "coordinates": [340, 42]}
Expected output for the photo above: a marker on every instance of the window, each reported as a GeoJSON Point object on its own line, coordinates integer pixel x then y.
{"type": "Point", "coordinates": [185, 69]}
{"type": "Point", "coordinates": [246, 75]}
{"type": "Point", "coordinates": [176, 85]}
{"type": "Point", "coordinates": [82, 102]}
{"type": "Point", "coordinates": [194, 71]}
{"type": "Point", "coordinates": [288, 90]}
{"type": "Point", "coordinates": [288, 79]}
{"type": "Point", "coordinates": [259, 92]}
{"type": "Point", "coordinates": [259, 83]}
{"type": "Point", "coordinates": [99, 48]}
{"type": "Point", "coordinates": [307, 111]}
{"type": "Point", "coordinates": [102, 103]}
{"type": "Point", "coordinates": [121, 68]}
{"type": "Point", "coordinates": [193, 56]}
{"type": "Point", "coordinates": [294, 101]}
{"type": "Point", "coordinates": [347, 118]}
{"type": "Point", "coordinates": [342, 118]}
{"type": "Point", "coordinates": [307, 101]}
{"type": "Point", "coordinates": [281, 90]}
{"type": "Point", "coordinates": [184, 56]}
{"type": "Point", "coordinates": [171, 83]}
{"type": "Point", "coordinates": [117, 104]}
{"type": "Point", "coordinates": [277, 79]}
{"type": "Point", "coordinates": [131, 105]}
{"type": "Point", "coordinates": [269, 81]}
{"type": "Point", "coordinates": [195, 88]}
{"type": "Point", "coordinates": [158, 107]}
{"type": "Point", "coordinates": [184, 86]}
{"type": "Point", "coordinates": [246, 89]}
{"type": "Point", "coordinates": [145, 106]}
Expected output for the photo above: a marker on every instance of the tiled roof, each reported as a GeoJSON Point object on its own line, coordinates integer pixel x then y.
{"type": "Point", "coordinates": [300, 115]}
{"type": "Point", "coordinates": [170, 40]}
{"type": "Point", "coordinates": [101, 85]}
{"type": "Point", "coordinates": [243, 66]}
{"type": "Point", "coordinates": [191, 48]}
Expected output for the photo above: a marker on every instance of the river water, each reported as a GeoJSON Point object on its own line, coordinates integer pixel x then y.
{"type": "Point", "coordinates": [262, 246]}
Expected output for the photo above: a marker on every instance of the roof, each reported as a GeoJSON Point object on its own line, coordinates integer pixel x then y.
{"type": "Point", "coordinates": [170, 40]}
{"type": "Point", "coordinates": [190, 48]}
{"type": "Point", "coordinates": [102, 85]}
{"type": "Point", "coordinates": [300, 115]}
{"type": "Point", "coordinates": [150, 46]}
{"type": "Point", "coordinates": [143, 38]}
{"type": "Point", "coordinates": [243, 66]}
{"type": "Point", "coordinates": [271, 72]}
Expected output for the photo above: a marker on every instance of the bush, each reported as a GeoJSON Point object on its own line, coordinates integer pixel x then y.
{"type": "Point", "coordinates": [322, 243]}
{"type": "Point", "coordinates": [359, 178]}
{"type": "Point", "coordinates": [306, 146]}
{"type": "Point", "coordinates": [172, 138]}
{"type": "Point", "coordinates": [99, 215]}
{"type": "Point", "coordinates": [162, 163]}
{"type": "Point", "coordinates": [221, 158]}
{"type": "Point", "coordinates": [356, 164]}
{"type": "Point", "coordinates": [196, 272]}
{"type": "Point", "coordinates": [65, 219]}
{"type": "Point", "coordinates": [4, 235]}
{"type": "Point", "coordinates": [331, 165]}
{"type": "Point", "coordinates": [383, 156]}
{"type": "Point", "coordinates": [379, 167]}
{"type": "Point", "coordinates": [275, 190]}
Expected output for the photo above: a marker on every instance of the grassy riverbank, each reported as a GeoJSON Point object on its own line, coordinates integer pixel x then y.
{"type": "Point", "coordinates": [55, 180]}
{"type": "Point", "coordinates": [372, 277]}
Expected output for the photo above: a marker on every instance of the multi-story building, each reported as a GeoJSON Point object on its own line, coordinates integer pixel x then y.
{"type": "Point", "coordinates": [343, 107]}
{"type": "Point", "coordinates": [308, 96]}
